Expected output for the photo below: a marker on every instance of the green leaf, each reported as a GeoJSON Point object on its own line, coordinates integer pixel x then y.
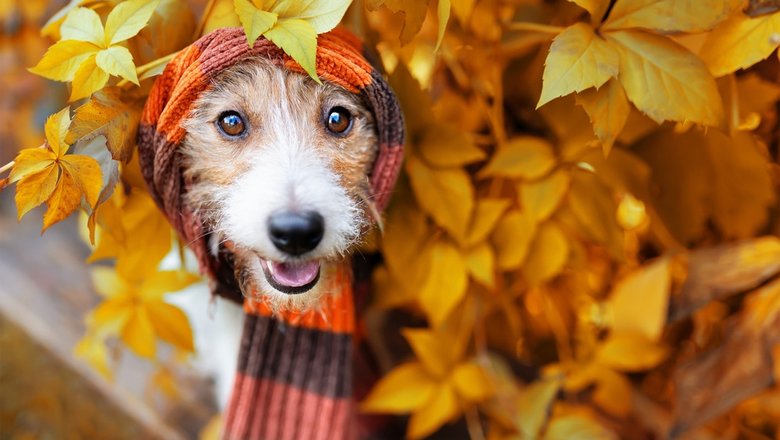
{"type": "Point", "coordinates": [255, 21]}
{"type": "Point", "coordinates": [127, 18]}
{"type": "Point", "coordinates": [298, 39]}
{"type": "Point", "coordinates": [117, 60]}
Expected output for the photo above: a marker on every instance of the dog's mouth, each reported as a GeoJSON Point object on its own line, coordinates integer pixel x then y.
{"type": "Point", "coordinates": [291, 277]}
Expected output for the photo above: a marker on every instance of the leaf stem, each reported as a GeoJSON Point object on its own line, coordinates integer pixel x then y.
{"type": "Point", "coordinates": [140, 70]}
{"type": "Point", "coordinates": [7, 166]}
{"type": "Point", "coordinates": [535, 27]}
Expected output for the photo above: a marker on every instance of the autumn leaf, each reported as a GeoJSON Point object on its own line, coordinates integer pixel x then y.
{"type": "Point", "coordinates": [541, 198]}
{"type": "Point", "coordinates": [512, 238]}
{"type": "Point", "coordinates": [576, 427]}
{"type": "Point", "coordinates": [534, 403]}
{"type": "Point", "coordinates": [578, 59]}
{"type": "Point", "coordinates": [89, 52]}
{"type": "Point", "coordinates": [526, 157]}
{"type": "Point", "coordinates": [138, 312]}
{"type": "Point", "coordinates": [682, 87]}
{"type": "Point", "coordinates": [608, 109]}
{"type": "Point", "coordinates": [639, 302]}
{"type": "Point", "coordinates": [292, 26]}
{"type": "Point", "coordinates": [740, 42]}
{"type": "Point", "coordinates": [670, 15]}
{"type": "Point", "coordinates": [404, 389]}
{"type": "Point", "coordinates": [547, 255]}
{"type": "Point", "coordinates": [447, 195]}
{"type": "Point", "coordinates": [50, 175]}
{"type": "Point", "coordinates": [625, 351]}
{"type": "Point", "coordinates": [447, 281]}
{"type": "Point", "coordinates": [111, 114]}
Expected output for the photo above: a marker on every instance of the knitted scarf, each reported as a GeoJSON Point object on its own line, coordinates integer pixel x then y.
{"type": "Point", "coordinates": [294, 377]}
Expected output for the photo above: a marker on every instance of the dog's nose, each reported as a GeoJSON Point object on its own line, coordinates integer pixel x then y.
{"type": "Point", "coordinates": [296, 233]}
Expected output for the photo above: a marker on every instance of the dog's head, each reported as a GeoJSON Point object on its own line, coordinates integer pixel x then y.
{"type": "Point", "coordinates": [270, 177]}
{"type": "Point", "coordinates": [280, 166]}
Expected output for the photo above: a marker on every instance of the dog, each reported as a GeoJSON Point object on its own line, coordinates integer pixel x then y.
{"type": "Point", "coordinates": [279, 166]}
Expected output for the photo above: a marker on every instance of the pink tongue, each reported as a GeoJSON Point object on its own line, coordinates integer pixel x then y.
{"type": "Point", "coordinates": [294, 274]}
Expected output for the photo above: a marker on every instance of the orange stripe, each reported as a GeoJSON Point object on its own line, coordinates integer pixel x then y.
{"type": "Point", "coordinates": [335, 312]}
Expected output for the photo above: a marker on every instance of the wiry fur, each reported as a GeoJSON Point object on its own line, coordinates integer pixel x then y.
{"type": "Point", "coordinates": [287, 160]}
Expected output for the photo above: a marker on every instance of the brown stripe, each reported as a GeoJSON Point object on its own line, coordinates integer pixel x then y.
{"type": "Point", "coordinates": [312, 360]}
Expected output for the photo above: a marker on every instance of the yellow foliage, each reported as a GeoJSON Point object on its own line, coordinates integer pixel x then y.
{"type": "Point", "coordinates": [588, 205]}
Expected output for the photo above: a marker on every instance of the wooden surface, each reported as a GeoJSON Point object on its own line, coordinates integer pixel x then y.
{"type": "Point", "coordinates": [45, 391]}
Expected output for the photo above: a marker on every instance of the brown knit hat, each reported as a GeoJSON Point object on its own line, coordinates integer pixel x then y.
{"type": "Point", "coordinates": [339, 60]}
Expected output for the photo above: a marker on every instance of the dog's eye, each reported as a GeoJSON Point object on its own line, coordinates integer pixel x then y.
{"type": "Point", "coordinates": [231, 123]}
{"type": "Point", "coordinates": [339, 121]}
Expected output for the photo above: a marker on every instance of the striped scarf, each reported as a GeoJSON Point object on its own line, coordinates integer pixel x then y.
{"type": "Point", "coordinates": [294, 376]}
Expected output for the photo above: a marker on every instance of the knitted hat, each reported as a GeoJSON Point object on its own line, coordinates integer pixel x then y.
{"type": "Point", "coordinates": [160, 134]}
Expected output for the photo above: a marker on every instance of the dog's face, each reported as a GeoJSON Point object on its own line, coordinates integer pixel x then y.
{"type": "Point", "coordinates": [279, 166]}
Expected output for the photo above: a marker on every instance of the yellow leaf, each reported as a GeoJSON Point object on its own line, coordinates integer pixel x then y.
{"type": "Point", "coordinates": [462, 10]}
{"type": "Point", "coordinates": [596, 8]}
{"type": "Point", "coordinates": [670, 15]}
{"type": "Point", "coordinates": [639, 302]}
{"type": "Point", "coordinates": [608, 111]}
{"type": "Point", "coordinates": [63, 58]}
{"type": "Point", "coordinates": [170, 324]}
{"type": "Point", "coordinates": [446, 195]}
{"type": "Point", "coordinates": [541, 198]}
{"type": "Point", "coordinates": [486, 216]}
{"type": "Point", "coordinates": [111, 113]}
{"type": "Point", "coordinates": [512, 239]}
{"type": "Point", "coordinates": [547, 256]}
{"type": "Point", "coordinates": [405, 245]}
{"type": "Point", "coordinates": [404, 389]}
{"type": "Point", "coordinates": [443, 13]}
{"type": "Point", "coordinates": [127, 19]}
{"type": "Point", "coordinates": [145, 223]}
{"type": "Point", "coordinates": [595, 209]}
{"type": "Point", "coordinates": [432, 349]}
{"type": "Point", "coordinates": [95, 353]}
{"type": "Point", "coordinates": [533, 406]}
{"type": "Point", "coordinates": [298, 39]}
{"type": "Point", "coordinates": [108, 284]}
{"type": "Point", "coordinates": [222, 15]}
{"type": "Point", "coordinates": [740, 42]}
{"type": "Point", "coordinates": [578, 59]}
{"type": "Point", "coordinates": [117, 60]}
{"type": "Point", "coordinates": [613, 392]}
{"type": "Point", "coordinates": [664, 80]}
{"type": "Point", "coordinates": [414, 15]}
{"type": "Point", "coordinates": [89, 79]}
{"type": "Point", "coordinates": [481, 263]}
{"type": "Point", "coordinates": [167, 281]}
{"type": "Point", "coordinates": [35, 189]}
{"type": "Point", "coordinates": [471, 382]}
{"type": "Point", "coordinates": [446, 146]}
{"type": "Point", "coordinates": [322, 15]}
{"type": "Point", "coordinates": [64, 200]}
{"type": "Point", "coordinates": [446, 283]}
{"type": "Point", "coordinates": [56, 129]}
{"type": "Point", "coordinates": [83, 24]}
{"type": "Point", "coordinates": [630, 352]}
{"type": "Point", "coordinates": [525, 156]}
{"type": "Point", "coordinates": [138, 333]}
{"type": "Point", "coordinates": [86, 173]}
{"type": "Point", "coordinates": [440, 408]}
{"type": "Point", "coordinates": [576, 427]}
{"type": "Point", "coordinates": [31, 161]}
{"type": "Point", "coordinates": [254, 20]}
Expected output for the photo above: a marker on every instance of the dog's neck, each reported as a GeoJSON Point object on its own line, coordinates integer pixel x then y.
{"type": "Point", "coordinates": [294, 377]}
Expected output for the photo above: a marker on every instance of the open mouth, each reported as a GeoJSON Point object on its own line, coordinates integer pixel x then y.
{"type": "Point", "coordinates": [291, 278]}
